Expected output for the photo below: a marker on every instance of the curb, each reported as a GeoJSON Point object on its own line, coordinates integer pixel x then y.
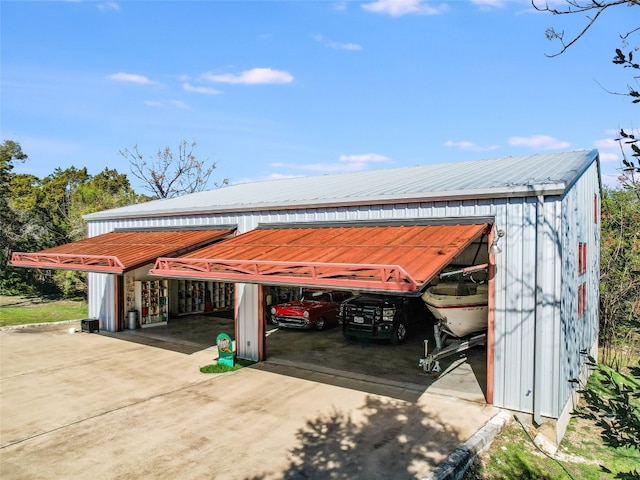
{"type": "Point", "coordinates": [43, 324]}
{"type": "Point", "coordinates": [454, 467]}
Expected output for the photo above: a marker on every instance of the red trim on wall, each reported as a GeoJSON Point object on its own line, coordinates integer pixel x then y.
{"type": "Point", "coordinates": [262, 351]}
{"type": "Point", "coordinates": [491, 313]}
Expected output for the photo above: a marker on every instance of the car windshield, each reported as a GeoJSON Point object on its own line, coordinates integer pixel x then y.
{"type": "Point", "coordinates": [316, 296]}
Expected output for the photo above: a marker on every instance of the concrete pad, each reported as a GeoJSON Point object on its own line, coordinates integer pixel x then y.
{"type": "Point", "coordinates": [95, 406]}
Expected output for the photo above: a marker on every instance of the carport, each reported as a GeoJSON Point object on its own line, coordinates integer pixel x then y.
{"type": "Point", "coordinates": [398, 258]}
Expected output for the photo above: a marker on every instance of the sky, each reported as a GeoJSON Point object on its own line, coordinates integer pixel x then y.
{"type": "Point", "coordinates": [273, 89]}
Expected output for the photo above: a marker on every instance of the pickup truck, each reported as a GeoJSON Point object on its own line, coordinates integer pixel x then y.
{"type": "Point", "coordinates": [384, 317]}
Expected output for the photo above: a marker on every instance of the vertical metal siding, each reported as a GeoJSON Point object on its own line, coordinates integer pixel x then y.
{"type": "Point", "coordinates": [549, 320]}
{"type": "Point", "coordinates": [515, 305]}
{"type": "Point", "coordinates": [579, 335]}
{"type": "Point", "coordinates": [248, 306]}
{"type": "Point", "coordinates": [101, 300]}
{"type": "Point", "coordinates": [554, 405]}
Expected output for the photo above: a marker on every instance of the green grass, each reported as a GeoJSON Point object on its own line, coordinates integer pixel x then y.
{"type": "Point", "coordinates": [15, 310]}
{"type": "Point", "coordinates": [220, 368]}
{"type": "Point", "coordinates": [581, 455]}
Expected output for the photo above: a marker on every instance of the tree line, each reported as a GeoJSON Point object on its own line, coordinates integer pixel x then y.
{"type": "Point", "coordinates": [39, 213]}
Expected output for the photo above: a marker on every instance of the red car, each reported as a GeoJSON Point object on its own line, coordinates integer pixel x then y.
{"type": "Point", "coordinates": [316, 309]}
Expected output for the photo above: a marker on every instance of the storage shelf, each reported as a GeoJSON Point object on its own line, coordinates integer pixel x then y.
{"type": "Point", "coordinates": [154, 302]}
{"type": "Point", "coordinates": [198, 296]}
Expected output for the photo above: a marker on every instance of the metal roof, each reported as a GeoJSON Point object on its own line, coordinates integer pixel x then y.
{"type": "Point", "coordinates": [381, 258]}
{"type": "Point", "coordinates": [118, 252]}
{"type": "Point", "coordinates": [549, 174]}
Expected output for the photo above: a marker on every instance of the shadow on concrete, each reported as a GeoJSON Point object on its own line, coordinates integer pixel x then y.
{"type": "Point", "coordinates": [186, 334]}
{"type": "Point", "coordinates": [383, 437]}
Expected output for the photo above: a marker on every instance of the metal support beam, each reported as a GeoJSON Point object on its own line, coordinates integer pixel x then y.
{"type": "Point", "coordinates": [345, 275]}
{"type": "Point", "coordinates": [68, 261]}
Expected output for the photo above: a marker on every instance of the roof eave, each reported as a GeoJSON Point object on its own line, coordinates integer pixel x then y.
{"type": "Point", "coordinates": [555, 188]}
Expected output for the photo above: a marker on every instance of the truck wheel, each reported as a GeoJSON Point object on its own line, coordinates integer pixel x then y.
{"type": "Point", "coordinates": [399, 334]}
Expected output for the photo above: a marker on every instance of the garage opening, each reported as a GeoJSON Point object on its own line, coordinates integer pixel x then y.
{"type": "Point", "coordinates": [396, 260]}
{"type": "Point", "coordinates": [128, 255]}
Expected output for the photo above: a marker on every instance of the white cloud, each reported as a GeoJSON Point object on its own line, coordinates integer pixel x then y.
{"type": "Point", "coordinates": [272, 176]}
{"type": "Point", "coordinates": [179, 104]}
{"type": "Point", "coordinates": [319, 167]}
{"type": "Point", "coordinates": [340, 6]}
{"type": "Point", "coordinates": [251, 77]}
{"type": "Point", "coordinates": [397, 8]}
{"type": "Point", "coordinates": [539, 142]}
{"type": "Point", "coordinates": [348, 163]}
{"type": "Point", "coordinates": [609, 150]}
{"type": "Point", "coordinates": [611, 180]}
{"type": "Point", "coordinates": [204, 90]}
{"type": "Point", "coordinates": [365, 158]}
{"type": "Point", "coordinates": [336, 45]}
{"type": "Point", "coordinates": [109, 6]}
{"type": "Point", "coordinates": [131, 78]}
{"type": "Point", "coordinates": [167, 104]}
{"type": "Point", "coordinates": [489, 3]}
{"type": "Point", "coordinates": [469, 146]}
{"type": "Point", "coordinates": [154, 103]}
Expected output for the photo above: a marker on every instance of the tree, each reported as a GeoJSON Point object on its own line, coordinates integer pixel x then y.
{"type": "Point", "coordinates": [592, 9]}
{"type": "Point", "coordinates": [612, 401]}
{"type": "Point", "coordinates": [43, 213]}
{"type": "Point", "coordinates": [10, 226]}
{"type": "Point", "coordinates": [619, 273]}
{"type": "Point", "coordinates": [170, 174]}
{"type": "Point", "coordinates": [630, 171]}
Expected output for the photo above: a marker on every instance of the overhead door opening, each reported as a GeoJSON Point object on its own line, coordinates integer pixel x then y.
{"type": "Point", "coordinates": [289, 261]}
{"type": "Point", "coordinates": [302, 330]}
{"type": "Point", "coordinates": [128, 255]}
{"type": "Point", "coordinates": [401, 259]}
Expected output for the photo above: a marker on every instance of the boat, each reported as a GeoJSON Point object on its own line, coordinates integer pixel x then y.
{"type": "Point", "coordinates": [460, 308]}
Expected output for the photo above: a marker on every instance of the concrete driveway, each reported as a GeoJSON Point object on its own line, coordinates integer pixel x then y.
{"type": "Point", "coordinates": [97, 406]}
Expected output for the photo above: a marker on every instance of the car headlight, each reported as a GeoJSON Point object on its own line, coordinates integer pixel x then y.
{"type": "Point", "coordinates": [388, 314]}
{"type": "Point", "coordinates": [273, 310]}
{"type": "Point", "coordinates": [305, 314]}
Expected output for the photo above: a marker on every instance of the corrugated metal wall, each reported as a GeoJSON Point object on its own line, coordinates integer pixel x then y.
{"type": "Point", "coordinates": [515, 281]}
{"type": "Point", "coordinates": [580, 224]}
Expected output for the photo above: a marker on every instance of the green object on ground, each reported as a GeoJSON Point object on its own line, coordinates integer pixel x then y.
{"type": "Point", "coordinates": [225, 349]}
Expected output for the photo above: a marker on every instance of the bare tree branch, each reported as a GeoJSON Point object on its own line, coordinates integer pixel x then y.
{"type": "Point", "coordinates": [171, 174]}
{"type": "Point", "coordinates": [573, 7]}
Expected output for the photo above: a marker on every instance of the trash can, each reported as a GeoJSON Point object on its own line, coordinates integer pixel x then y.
{"type": "Point", "coordinates": [133, 319]}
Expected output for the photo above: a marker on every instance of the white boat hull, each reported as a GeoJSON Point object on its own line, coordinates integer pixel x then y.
{"type": "Point", "coordinates": [461, 311]}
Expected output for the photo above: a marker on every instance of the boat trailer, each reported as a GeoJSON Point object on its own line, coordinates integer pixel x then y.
{"type": "Point", "coordinates": [430, 363]}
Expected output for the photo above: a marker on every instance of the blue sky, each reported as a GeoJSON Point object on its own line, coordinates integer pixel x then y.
{"type": "Point", "coordinates": [270, 89]}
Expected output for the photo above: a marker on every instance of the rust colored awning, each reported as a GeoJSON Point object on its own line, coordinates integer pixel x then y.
{"type": "Point", "coordinates": [118, 252]}
{"type": "Point", "coordinates": [382, 258]}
